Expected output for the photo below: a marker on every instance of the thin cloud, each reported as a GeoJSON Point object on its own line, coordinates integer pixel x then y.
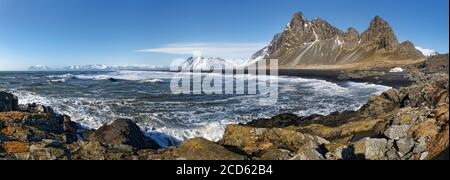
{"type": "Point", "coordinates": [224, 50]}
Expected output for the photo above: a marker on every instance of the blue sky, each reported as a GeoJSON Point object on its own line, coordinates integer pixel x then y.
{"type": "Point", "coordinates": [76, 32]}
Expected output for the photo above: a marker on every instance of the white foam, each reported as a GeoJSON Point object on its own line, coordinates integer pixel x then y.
{"type": "Point", "coordinates": [153, 81]}
{"type": "Point", "coordinates": [368, 86]}
{"type": "Point", "coordinates": [64, 76]}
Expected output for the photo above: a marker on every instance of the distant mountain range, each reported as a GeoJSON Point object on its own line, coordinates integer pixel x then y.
{"type": "Point", "coordinates": [98, 67]}
{"type": "Point", "coordinates": [191, 63]}
{"type": "Point", "coordinates": [315, 42]}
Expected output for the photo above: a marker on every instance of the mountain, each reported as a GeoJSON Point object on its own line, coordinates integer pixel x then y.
{"type": "Point", "coordinates": [97, 67]}
{"type": "Point", "coordinates": [205, 63]}
{"type": "Point", "coordinates": [427, 52]}
{"type": "Point", "coordinates": [309, 43]}
{"type": "Point", "coordinates": [39, 68]}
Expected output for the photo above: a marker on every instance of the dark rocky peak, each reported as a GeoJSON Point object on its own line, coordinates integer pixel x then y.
{"type": "Point", "coordinates": [379, 35]}
{"type": "Point", "coordinates": [351, 38]}
{"type": "Point", "coordinates": [325, 30]}
{"type": "Point", "coordinates": [378, 21]}
{"type": "Point", "coordinates": [407, 44]}
{"type": "Point", "coordinates": [298, 17]}
{"type": "Point", "coordinates": [298, 22]}
{"type": "Point", "coordinates": [352, 31]}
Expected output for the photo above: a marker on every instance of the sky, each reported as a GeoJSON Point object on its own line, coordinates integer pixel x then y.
{"type": "Point", "coordinates": [58, 33]}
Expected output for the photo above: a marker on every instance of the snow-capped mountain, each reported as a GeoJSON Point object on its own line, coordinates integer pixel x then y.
{"type": "Point", "coordinates": [39, 68]}
{"type": "Point", "coordinates": [206, 63]}
{"type": "Point", "coordinates": [97, 67]}
{"type": "Point", "coordinates": [139, 67]}
{"type": "Point", "coordinates": [427, 52]}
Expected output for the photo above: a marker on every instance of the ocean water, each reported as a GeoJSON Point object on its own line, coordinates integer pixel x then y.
{"type": "Point", "coordinates": [93, 99]}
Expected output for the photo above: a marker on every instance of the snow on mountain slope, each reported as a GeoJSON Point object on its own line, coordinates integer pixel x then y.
{"type": "Point", "coordinates": [427, 52]}
{"type": "Point", "coordinates": [39, 68]}
{"type": "Point", "coordinates": [97, 67]}
{"type": "Point", "coordinates": [207, 63]}
{"type": "Point", "coordinates": [258, 56]}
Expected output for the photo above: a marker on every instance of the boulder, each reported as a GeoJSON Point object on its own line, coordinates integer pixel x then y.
{"type": "Point", "coordinates": [32, 127]}
{"type": "Point", "coordinates": [404, 147]}
{"type": "Point", "coordinates": [309, 151]}
{"type": "Point", "coordinates": [379, 105]}
{"type": "Point", "coordinates": [35, 108]}
{"type": "Point", "coordinates": [243, 137]}
{"type": "Point", "coordinates": [276, 154]}
{"type": "Point", "coordinates": [11, 117]}
{"type": "Point", "coordinates": [427, 129]}
{"type": "Point", "coordinates": [202, 149]}
{"type": "Point", "coordinates": [397, 132]}
{"type": "Point", "coordinates": [371, 149]}
{"type": "Point", "coordinates": [361, 128]}
{"type": "Point", "coordinates": [293, 140]}
{"type": "Point", "coordinates": [71, 130]}
{"type": "Point", "coordinates": [46, 150]}
{"type": "Point", "coordinates": [8, 102]}
{"type": "Point", "coordinates": [279, 121]}
{"type": "Point", "coordinates": [263, 143]}
{"type": "Point", "coordinates": [23, 133]}
{"type": "Point", "coordinates": [91, 150]}
{"type": "Point", "coordinates": [123, 131]}
{"type": "Point", "coordinates": [51, 124]}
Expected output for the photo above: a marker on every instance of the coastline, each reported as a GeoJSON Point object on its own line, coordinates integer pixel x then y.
{"type": "Point", "coordinates": [374, 132]}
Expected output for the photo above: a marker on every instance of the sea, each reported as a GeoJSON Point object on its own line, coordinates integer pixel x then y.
{"type": "Point", "coordinates": [94, 99]}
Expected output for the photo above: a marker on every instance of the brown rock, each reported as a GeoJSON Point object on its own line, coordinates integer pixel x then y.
{"type": "Point", "coordinates": [439, 143]}
{"type": "Point", "coordinates": [371, 149]}
{"type": "Point", "coordinates": [442, 113]}
{"type": "Point", "coordinates": [427, 129]}
{"type": "Point", "coordinates": [202, 149]}
{"type": "Point", "coordinates": [361, 127]}
{"type": "Point", "coordinates": [256, 142]}
{"type": "Point", "coordinates": [12, 116]}
{"type": "Point", "coordinates": [16, 147]}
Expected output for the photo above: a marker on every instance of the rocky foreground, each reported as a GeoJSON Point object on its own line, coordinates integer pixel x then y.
{"type": "Point", "coordinates": [410, 123]}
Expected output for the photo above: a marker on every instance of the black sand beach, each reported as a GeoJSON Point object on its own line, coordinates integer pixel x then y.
{"type": "Point", "coordinates": [382, 77]}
